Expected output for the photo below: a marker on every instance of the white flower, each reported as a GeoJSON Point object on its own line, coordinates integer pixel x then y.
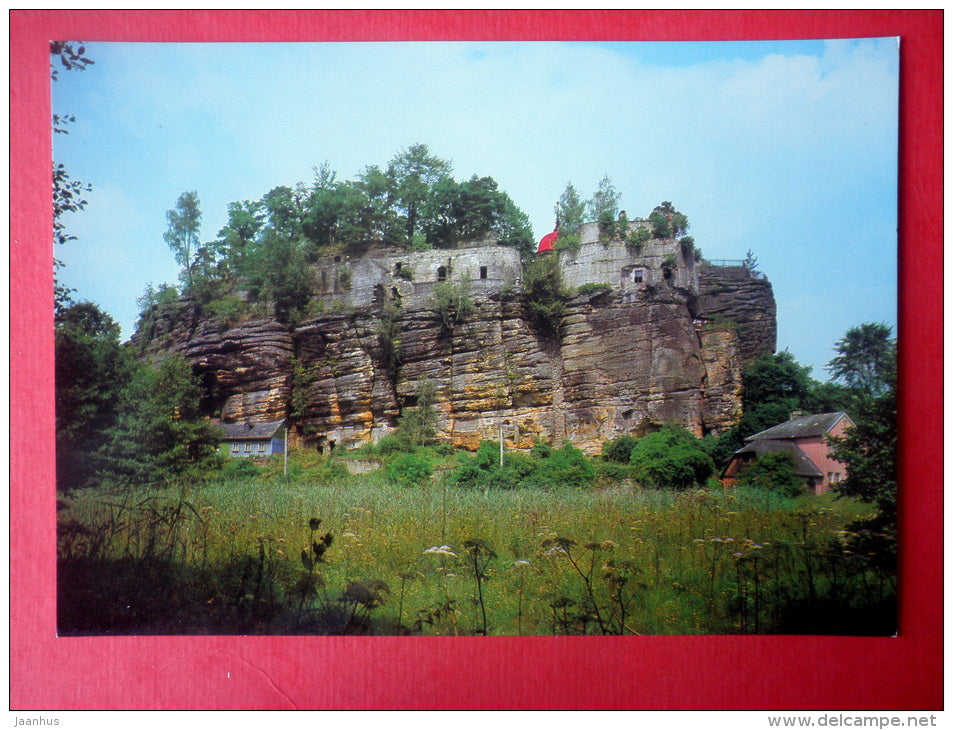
{"type": "Point", "coordinates": [441, 550]}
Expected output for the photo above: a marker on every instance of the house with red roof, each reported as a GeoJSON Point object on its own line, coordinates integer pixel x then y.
{"type": "Point", "coordinates": [805, 438]}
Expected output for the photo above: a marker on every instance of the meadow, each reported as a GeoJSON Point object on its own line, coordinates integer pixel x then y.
{"type": "Point", "coordinates": [320, 551]}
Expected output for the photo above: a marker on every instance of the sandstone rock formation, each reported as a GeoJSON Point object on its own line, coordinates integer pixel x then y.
{"type": "Point", "coordinates": [634, 353]}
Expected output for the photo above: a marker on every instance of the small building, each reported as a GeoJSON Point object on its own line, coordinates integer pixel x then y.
{"type": "Point", "coordinates": [805, 438]}
{"type": "Point", "coordinates": [248, 439]}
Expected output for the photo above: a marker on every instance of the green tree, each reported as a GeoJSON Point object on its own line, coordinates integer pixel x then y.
{"type": "Point", "coordinates": [411, 176]}
{"type": "Point", "coordinates": [182, 235]}
{"type": "Point", "coordinates": [866, 359]}
{"type": "Point", "coordinates": [161, 435]}
{"type": "Point", "coordinates": [772, 386]}
{"type": "Point", "coordinates": [545, 294]}
{"type": "Point", "coordinates": [515, 229]}
{"type": "Point", "coordinates": [667, 222]}
{"type": "Point", "coordinates": [383, 219]}
{"type": "Point", "coordinates": [868, 450]}
{"type": "Point", "coordinates": [671, 458]}
{"type": "Point", "coordinates": [91, 369]}
{"type": "Point", "coordinates": [604, 205]}
{"type": "Point", "coordinates": [237, 236]}
{"type": "Point", "coordinates": [869, 454]}
{"type": "Point", "coordinates": [570, 212]}
{"type": "Point", "coordinates": [153, 299]}
{"type": "Point", "coordinates": [418, 425]}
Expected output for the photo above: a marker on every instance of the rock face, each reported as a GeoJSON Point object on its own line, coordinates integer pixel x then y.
{"type": "Point", "coordinates": [736, 296]}
{"type": "Point", "coordinates": [634, 353]}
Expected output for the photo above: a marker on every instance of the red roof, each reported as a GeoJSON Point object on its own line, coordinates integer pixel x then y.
{"type": "Point", "coordinates": [547, 242]}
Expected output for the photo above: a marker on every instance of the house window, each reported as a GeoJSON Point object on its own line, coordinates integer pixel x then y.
{"type": "Point", "coordinates": [442, 273]}
{"type": "Point", "coordinates": [483, 272]}
{"type": "Point", "coordinates": [248, 446]}
{"type": "Point", "coordinates": [234, 448]}
{"type": "Point", "coordinates": [261, 446]}
{"type": "Point", "coordinates": [638, 276]}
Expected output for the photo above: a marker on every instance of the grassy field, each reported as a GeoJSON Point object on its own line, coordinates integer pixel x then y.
{"type": "Point", "coordinates": [326, 553]}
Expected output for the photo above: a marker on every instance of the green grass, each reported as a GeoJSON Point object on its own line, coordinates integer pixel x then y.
{"type": "Point", "coordinates": [226, 557]}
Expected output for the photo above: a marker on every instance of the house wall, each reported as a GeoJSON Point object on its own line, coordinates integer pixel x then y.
{"type": "Point", "coordinates": [253, 448]}
{"type": "Point", "coordinates": [248, 449]}
{"type": "Point", "coordinates": [818, 451]}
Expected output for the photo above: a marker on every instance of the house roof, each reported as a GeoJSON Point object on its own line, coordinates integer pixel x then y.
{"type": "Point", "coordinates": [802, 464]}
{"type": "Point", "coordinates": [801, 427]}
{"type": "Point", "coordinates": [249, 431]}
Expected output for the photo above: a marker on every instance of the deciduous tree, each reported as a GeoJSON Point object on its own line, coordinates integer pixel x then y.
{"type": "Point", "coordinates": [182, 235]}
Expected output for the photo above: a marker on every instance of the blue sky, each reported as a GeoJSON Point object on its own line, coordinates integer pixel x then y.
{"type": "Point", "coordinates": [788, 148]}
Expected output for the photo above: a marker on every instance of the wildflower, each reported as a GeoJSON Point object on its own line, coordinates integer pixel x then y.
{"type": "Point", "coordinates": [440, 550]}
{"type": "Point", "coordinates": [521, 564]}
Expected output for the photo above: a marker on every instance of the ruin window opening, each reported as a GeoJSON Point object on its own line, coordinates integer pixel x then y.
{"type": "Point", "coordinates": [441, 273]}
{"type": "Point", "coordinates": [484, 271]}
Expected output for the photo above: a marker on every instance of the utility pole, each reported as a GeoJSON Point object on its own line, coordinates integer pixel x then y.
{"type": "Point", "coordinates": [286, 451]}
{"type": "Point", "coordinates": [501, 443]}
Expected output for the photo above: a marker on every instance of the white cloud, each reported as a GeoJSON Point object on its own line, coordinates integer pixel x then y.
{"type": "Point", "coordinates": [788, 154]}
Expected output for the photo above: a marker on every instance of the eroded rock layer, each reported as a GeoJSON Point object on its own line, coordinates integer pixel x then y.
{"type": "Point", "coordinates": [627, 361]}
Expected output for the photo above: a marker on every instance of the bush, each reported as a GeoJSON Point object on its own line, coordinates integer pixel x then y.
{"type": "Point", "coordinates": [409, 470]}
{"type": "Point", "coordinates": [545, 294]}
{"type": "Point", "coordinates": [774, 472]}
{"type": "Point", "coordinates": [671, 459]}
{"type": "Point", "coordinates": [619, 449]}
{"type": "Point", "coordinates": [609, 472]}
{"type": "Point", "coordinates": [565, 467]}
{"type": "Point", "coordinates": [543, 467]}
{"type": "Point", "coordinates": [240, 468]}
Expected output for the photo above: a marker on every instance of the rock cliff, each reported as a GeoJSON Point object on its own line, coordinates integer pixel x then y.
{"type": "Point", "coordinates": [632, 355]}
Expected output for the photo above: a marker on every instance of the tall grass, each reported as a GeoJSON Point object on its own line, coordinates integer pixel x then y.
{"type": "Point", "coordinates": [230, 556]}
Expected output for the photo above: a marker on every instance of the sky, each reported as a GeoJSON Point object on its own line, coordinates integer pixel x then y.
{"type": "Point", "coordinates": [786, 149]}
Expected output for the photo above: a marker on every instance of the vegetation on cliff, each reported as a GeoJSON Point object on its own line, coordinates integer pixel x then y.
{"type": "Point", "coordinates": [264, 250]}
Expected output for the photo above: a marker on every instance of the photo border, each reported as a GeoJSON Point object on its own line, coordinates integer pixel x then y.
{"type": "Point", "coordinates": [813, 673]}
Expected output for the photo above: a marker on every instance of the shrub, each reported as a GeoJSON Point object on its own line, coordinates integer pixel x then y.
{"type": "Point", "coordinates": [619, 449]}
{"type": "Point", "coordinates": [638, 237]}
{"type": "Point", "coordinates": [409, 470]}
{"type": "Point", "coordinates": [593, 288]}
{"type": "Point", "coordinates": [565, 467]}
{"type": "Point", "coordinates": [671, 459]}
{"type": "Point", "coordinates": [543, 467]}
{"type": "Point", "coordinates": [240, 468]}
{"type": "Point", "coordinates": [545, 294]}
{"type": "Point", "coordinates": [773, 472]}
{"type": "Point", "coordinates": [610, 472]}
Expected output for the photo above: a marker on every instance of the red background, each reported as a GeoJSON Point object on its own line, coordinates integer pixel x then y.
{"type": "Point", "coordinates": [556, 673]}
